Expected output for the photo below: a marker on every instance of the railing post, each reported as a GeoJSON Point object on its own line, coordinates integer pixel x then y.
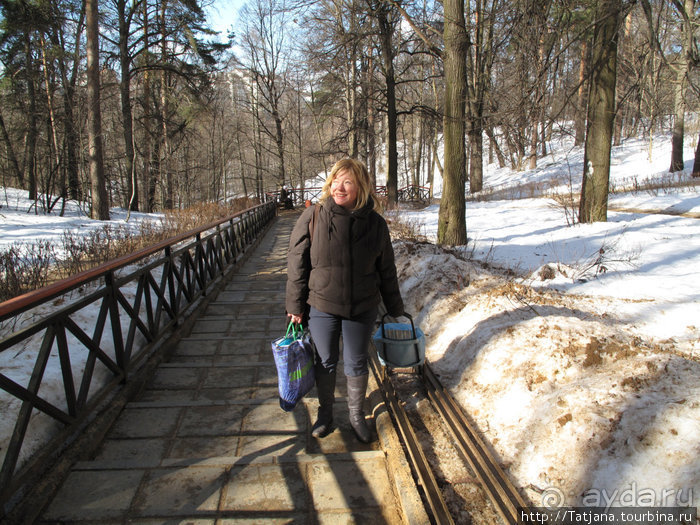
{"type": "Point", "coordinates": [199, 264]}
{"type": "Point", "coordinates": [115, 324]}
{"type": "Point", "coordinates": [22, 421]}
{"type": "Point", "coordinates": [219, 250]}
{"type": "Point", "coordinates": [232, 240]}
{"type": "Point", "coordinates": [174, 299]}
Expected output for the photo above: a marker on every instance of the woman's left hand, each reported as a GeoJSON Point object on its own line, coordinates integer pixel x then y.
{"type": "Point", "coordinates": [296, 319]}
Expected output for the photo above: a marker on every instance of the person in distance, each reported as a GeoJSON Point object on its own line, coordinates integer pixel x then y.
{"type": "Point", "coordinates": [337, 279]}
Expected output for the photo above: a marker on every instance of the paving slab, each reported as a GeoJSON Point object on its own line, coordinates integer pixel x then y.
{"type": "Point", "coordinates": [206, 442]}
{"type": "Point", "coordinates": [266, 488]}
{"type": "Point", "coordinates": [93, 495]}
{"type": "Point", "coordinates": [183, 490]}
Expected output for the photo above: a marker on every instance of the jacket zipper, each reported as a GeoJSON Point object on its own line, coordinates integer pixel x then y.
{"type": "Point", "coordinates": [352, 264]}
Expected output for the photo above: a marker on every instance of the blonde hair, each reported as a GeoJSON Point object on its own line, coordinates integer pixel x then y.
{"type": "Point", "coordinates": [358, 170]}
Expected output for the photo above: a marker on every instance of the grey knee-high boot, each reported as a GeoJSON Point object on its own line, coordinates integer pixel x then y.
{"type": "Point", "coordinates": [325, 386]}
{"type": "Point", "coordinates": [357, 387]}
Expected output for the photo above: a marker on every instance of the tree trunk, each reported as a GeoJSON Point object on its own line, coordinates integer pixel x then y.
{"type": "Point", "coordinates": [49, 85]}
{"type": "Point", "coordinates": [241, 164]}
{"type": "Point", "coordinates": [351, 102]}
{"type": "Point", "coordinates": [148, 175]}
{"type": "Point", "coordinates": [678, 133]}
{"type": "Point", "coordinates": [430, 165]}
{"type": "Point", "coordinates": [371, 146]}
{"type": "Point", "coordinates": [582, 99]}
{"type": "Point", "coordinates": [300, 141]}
{"type": "Point", "coordinates": [69, 146]}
{"type": "Point", "coordinates": [16, 171]}
{"type": "Point", "coordinates": [495, 148]}
{"type": "Point", "coordinates": [681, 85]}
{"type": "Point", "coordinates": [696, 162]}
{"type": "Point", "coordinates": [480, 60]}
{"type": "Point", "coordinates": [438, 165]}
{"type": "Point", "coordinates": [534, 141]}
{"type": "Point", "coordinates": [279, 140]}
{"type": "Point", "coordinates": [31, 136]}
{"type": "Point", "coordinates": [100, 203]}
{"type": "Point", "coordinates": [218, 146]}
{"type": "Point", "coordinates": [392, 156]}
{"type": "Point", "coordinates": [318, 126]}
{"type": "Point", "coordinates": [476, 157]}
{"type": "Point", "coordinates": [132, 200]}
{"type": "Point", "coordinates": [257, 139]}
{"type": "Point", "coordinates": [71, 143]}
{"type": "Point", "coordinates": [452, 226]}
{"type": "Point", "coordinates": [364, 111]}
{"type": "Point", "coordinates": [601, 114]}
{"type": "Point", "coordinates": [166, 174]}
{"type": "Point", "coordinates": [537, 110]}
{"type": "Point", "coordinates": [419, 146]}
{"type": "Point", "coordinates": [436, 132]}
{"type": "Point", "coordinates": [72, 139]}
{"type": "Point", "coordinates": [622, 60]}
{"type": "Point", "coordinates": [154, 164]}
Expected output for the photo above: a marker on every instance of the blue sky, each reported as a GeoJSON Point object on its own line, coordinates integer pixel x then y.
{"type": "Point", "coordinates": [223, 14]}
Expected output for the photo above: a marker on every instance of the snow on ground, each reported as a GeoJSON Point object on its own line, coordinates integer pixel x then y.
{"type": "Point", "coordinates": [574, 348]}
{"type": "Point", "coordinates": [22, 221]}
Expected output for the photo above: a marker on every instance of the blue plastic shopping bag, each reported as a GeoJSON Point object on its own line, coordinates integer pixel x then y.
{"type": "Point", "coordinates": [294, 359]}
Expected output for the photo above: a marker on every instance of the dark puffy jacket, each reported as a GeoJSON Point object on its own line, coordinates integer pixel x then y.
{"type": "Point", "coordinates": [350, 266]}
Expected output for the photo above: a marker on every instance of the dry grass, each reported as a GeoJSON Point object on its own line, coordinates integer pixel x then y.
{"type": "Point", "coordinates": [25, 267]}
{"type": "Point", "coordinates": [404, 229]}
{"type": "Point", "coordinates": [30, 266]}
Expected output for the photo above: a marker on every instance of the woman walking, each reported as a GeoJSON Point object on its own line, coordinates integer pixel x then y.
{"type": "Point", "coordinates": [340, 266]}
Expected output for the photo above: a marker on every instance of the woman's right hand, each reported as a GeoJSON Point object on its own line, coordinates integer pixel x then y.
{"type": "Point", "coordinates": [296, 319]}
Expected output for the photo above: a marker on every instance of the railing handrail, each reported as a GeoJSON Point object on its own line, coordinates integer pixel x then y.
{"type": "Point", "coordinates": [411, 186]}
{"type": "Point", "coordinates": [136, 313]}
{"type": "Point", "coordinates": [21, 303]}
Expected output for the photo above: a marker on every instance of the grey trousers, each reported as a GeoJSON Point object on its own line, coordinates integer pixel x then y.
{"type": "Point", "coordinates": [326, 330]}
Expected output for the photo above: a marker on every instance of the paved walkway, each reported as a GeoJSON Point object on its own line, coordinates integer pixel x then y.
{"type": "Point", "coordinates": [207, 443]}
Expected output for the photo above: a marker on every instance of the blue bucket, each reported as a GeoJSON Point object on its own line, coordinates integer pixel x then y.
{"type": "Point", "coordinates": [399, 345]}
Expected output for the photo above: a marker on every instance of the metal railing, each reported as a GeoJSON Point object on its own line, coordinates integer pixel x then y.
{"type": "Point", "coordinates": [94, 330]}
{"type": "Point", "coordinates": [414, 193]}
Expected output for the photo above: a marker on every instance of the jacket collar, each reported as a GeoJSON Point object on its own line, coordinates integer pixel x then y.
{"type": "Point", "coordinates": [339, 210]}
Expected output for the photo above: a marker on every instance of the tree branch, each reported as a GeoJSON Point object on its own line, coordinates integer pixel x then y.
{"type": "Point", "coordinates": [432, 47]}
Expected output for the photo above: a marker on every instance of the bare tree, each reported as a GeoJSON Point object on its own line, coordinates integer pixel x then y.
{"type": "Point", "coordinates": [480, 58]}
{"type": "Point", "coordinates": [125, 14]}
{"type": "Point", "coordinates": [266, 62]}
{"type": "Point", "coordinates": [452, 226]}
{"type": "Point", "coordinates": [386, 20]}
{"type": "Point", "coordinates": [582, 94]}
{"type": "Point", "coordinates": [100, 200]}
{"type": "Point", "coordinates": [166, 174]}
{"type": "Point", "coordinates": [15, 170]}
{"type": "Point", "coordinates": [681, 68]}
{"type": "Point", "coordinates": [601, 113]}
